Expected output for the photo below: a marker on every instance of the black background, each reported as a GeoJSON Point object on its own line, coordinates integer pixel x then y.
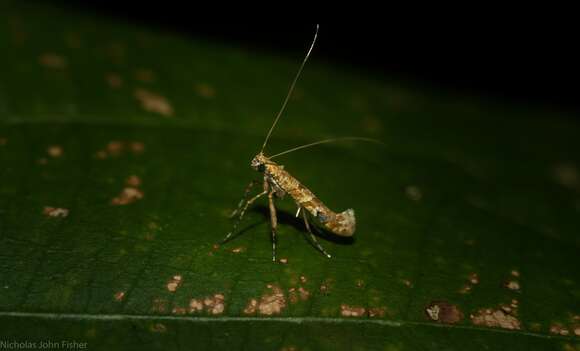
{"type": "Point", "coordinates": [532, 62]}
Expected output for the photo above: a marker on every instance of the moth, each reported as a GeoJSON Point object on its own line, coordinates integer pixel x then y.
{"type": "Point", "coordinates": [277, 183]}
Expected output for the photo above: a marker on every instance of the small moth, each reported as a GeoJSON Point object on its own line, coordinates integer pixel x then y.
{"type": "Point", "coordinates": [277, 182]}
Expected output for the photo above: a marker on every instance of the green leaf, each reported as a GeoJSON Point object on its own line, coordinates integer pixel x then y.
{"type": "Point", "coordinates": [124, 150]}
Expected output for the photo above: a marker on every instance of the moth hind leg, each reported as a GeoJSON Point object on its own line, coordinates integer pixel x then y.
{"type": "Point", "coordinates": [273, 222]}
{"type": "Point", "coordinates": [313, 239]}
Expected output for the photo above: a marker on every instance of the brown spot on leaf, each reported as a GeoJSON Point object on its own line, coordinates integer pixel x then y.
{"type": "Point", "coordinates": [444, 312]}
{"type": "Point", "coordinates": [153, 102]}
{"type": "Point", "coordinates": [304, 294]}
{"type": "Point", "coordinates": [55, 212]}
{"type": "Point", "coordinates": [375, 312]}
{"type": "Point", "coordinates": [215, 304]}
{"type": "Point", "coordinates": [465, 289]}
{"type": "Point", "coordinates": [251, 307]}
{"type": "Point", "coordinates": [283, 260]}
{"type": "Point", "coordinates": [54, 151]}
{"type": "Point", "coordinates": [179, 310]}
{"type": "Point", "coordinates": [204, 90]}
{"type": "Point", "coordinates": [414, 193]}
{"type": "Point", "coordinates": [158, 328]}
{"type": "Point", "coordinates": [114, 80]}
{"type": "Point", "coordinates": [238, 249]}
{"type": "Point", "coordinates": [497, 318]}
{"type": "Point", "coordinates": [137, 147]}
{"type": "Point", "coordinates": [195, 306]}
{"type": "Point", "coordinates": [558, 329]}
{"type": "Point", "coordinates": [119, 296]}
{"type": "Point", "coordinates": [326, 286]}
{"type": "Point", "coordinates": [159, 305]}
{"type": "Point", "coordinates": [174, 283]}
{"type": "Point", "coordinates": [127, 196]}
{"type": "Point", "coordinates": [52, 60]}
{"type": "Point", "coordinates": [272, 303]}
{"type": "Point", "coordinates": [352, 311]}
{"type": "Point", "coordinates": [133, 181]}
{"type": "Point", "coordinates": [513, 285]}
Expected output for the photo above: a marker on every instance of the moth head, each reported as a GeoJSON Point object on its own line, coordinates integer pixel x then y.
{"type": "Point", "coordinates": [259, 162]}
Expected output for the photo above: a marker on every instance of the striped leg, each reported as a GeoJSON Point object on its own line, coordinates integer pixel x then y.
{"type": "Point", "coordinates": [313, 240]}
{"type": "Point", "coordinates": [273, 222]}
{"type": "Point", "coordinates": [242, 212]}
{"type": "Point", "coordinates": [244, 199]}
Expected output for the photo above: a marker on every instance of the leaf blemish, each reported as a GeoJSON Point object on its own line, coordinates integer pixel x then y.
{"type": "Point", "coordinates": [352, 311]}
{"type": "Point", "coordinates": [119, 296]}
{"type": "Point", "coordinates": [114, 80]}
{"type": "Point", "coordinates": [52, 60]}
{"type": "Point", "coordinates": [116, 148]}
{"type": "Point", "coordinates": [499, 318]}
{"type": "Point", "coordinates": [558, 329]}
{"type": "Point", "coordinates": [174, 283]}
{"type": "Point", "coordinates": [212, 304]}
{"type": "Point", "coordinates": [512, 285]}
{"type": "Point", "coordinates": [129, 194]}
{"type": "Point", "coordinates": [158, 328]}
{"type": "Point", "coordinates": [215, 304]}
{"type": "Point", "coordinates": [473, 280]}
{"type": "Point", "coordinates": [413, 193]}
{"type": "Point", "coordinates": [298, 294]}
{"type": "Point", "coordinates": [195, 306]}
{"type": "Point", "coordinates": [269, 304]}
{"type": "Point", "coordinates": [55, 212]}
{"type": "Point", "coordinates": [239, 249]}
{"type": "Point", "coordinates": [159, 305]}
{"type": "Point", "coordinates": [444, 312]}
{"type": "Point", "coordinates": [152, 102]}
{"type": "Point", "coordinates": [54, 151]}
{"type": "Point", "coordinates": [375, 312]}
{"type": "Point", "coordinates": [178, 310]}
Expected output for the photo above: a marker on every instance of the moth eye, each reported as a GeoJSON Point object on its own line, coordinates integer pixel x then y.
{"type": "Point", "coordinates": [261, 167]}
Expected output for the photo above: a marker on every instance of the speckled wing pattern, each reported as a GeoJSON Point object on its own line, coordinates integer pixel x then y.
{"type": "Point", "coordinates": [343, 224]}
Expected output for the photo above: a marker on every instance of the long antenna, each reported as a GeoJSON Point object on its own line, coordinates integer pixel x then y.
{"type": "Point", "coordinates": [291, 89]}
{"type": "Point", "coordinates": [327, 141]}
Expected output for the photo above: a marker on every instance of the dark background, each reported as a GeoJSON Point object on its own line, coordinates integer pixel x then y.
{"type": "Point", "coordinates": [533, 62]}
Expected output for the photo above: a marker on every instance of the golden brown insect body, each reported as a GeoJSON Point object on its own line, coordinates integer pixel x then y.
{"type": "Point", "coordinates": [277, 182]}
{"type": "Point", "coordinates": [282, 183]}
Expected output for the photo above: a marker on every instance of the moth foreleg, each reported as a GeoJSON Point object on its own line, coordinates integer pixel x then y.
{"type": "Point", "coordinates": [313, 240]}
{"type": "Point", "coordinates": [244, 199]}
{"type": "Point", "coordinates": [273, 222]}
{"type": "Point", "coordinates": [242, 212]}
